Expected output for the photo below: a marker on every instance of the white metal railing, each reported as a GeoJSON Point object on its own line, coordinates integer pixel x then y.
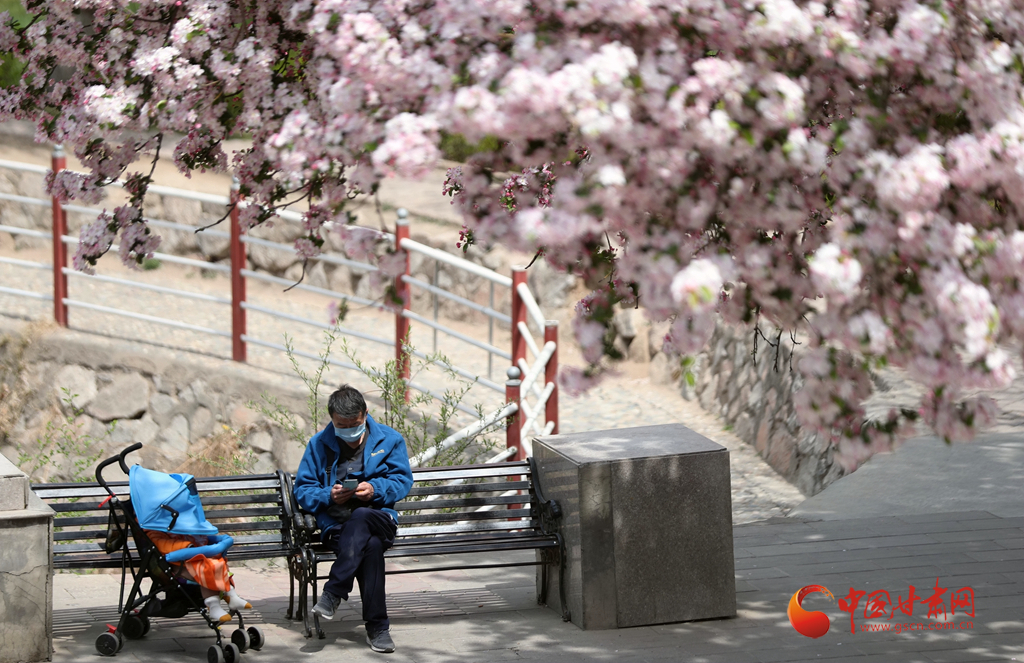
{"type": "Point", "coordinates": [528, 419]}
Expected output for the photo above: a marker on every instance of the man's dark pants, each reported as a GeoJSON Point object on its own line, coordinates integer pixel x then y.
{"type": "Point", "coordinates": [360, 544]}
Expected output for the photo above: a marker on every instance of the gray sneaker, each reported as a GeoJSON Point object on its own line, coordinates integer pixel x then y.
{"type": "Point", "coordinates": [381, 641]}
{"type": "Point", "coordinates": [327, 604]}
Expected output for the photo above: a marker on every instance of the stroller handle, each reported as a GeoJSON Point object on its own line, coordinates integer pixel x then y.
{"type": "Point", "coordinates": [115, 459]}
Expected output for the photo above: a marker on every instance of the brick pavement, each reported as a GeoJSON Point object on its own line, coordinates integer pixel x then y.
{"type": "Point", "coordinates": [491, 615]}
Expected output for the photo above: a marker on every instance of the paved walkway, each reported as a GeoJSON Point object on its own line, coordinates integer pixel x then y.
{"type": "Point", "coordinates": [492, 615]}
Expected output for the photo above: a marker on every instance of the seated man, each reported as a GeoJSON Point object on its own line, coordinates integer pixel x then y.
{"type": "Point", "coordinates": [358, 524]}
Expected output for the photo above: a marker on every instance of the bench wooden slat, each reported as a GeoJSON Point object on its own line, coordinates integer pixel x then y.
{"type": "Point", "coordinates": [482, 526]}
{"type": "Point", "coordinates": [487, 487]}
{"type": "Point", "coordinates": [52, 491]}
{"type": "Point", "coordinates": [507, 465]}
{"type": "Point", "coordinates": [462, 502]}
{"type": "Point", "coordinates": [467, 547]}
{"type": "Point", "coordinates": [101, 534]}
{"type": "Point", "coordinates": [468, 472]}
{"type": "Point", "coordinates": [500, 535]}
{"type": "Point", "coordinates": [98, 545]}
{"type": "Point", "coordinates": [209, 500]}
{"type": "Point", "coordinates": [496, 514]}
{"type": "Point", "coordinates": [212, 514]}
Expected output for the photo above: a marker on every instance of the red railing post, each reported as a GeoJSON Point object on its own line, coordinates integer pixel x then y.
{"type": "Point", "coordinates": [58, 162]}
{"type": "Point", "coordinates": [551, 373]}
{"type": "Point", "coordinates": [237, 280]}
{"type": "Point", "coordinates": [515, 421]}
{"type": "Point", "coordinates": [518, 315]}
{"type": "Point", "coordinates": [402, 292]}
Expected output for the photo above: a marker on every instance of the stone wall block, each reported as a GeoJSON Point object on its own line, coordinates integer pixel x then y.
{"type": "Point", "coordinates": [202, 423]}
{"type": "Point", "coordinates": [755, 395]}
{"type": "Point", "coordinates": [340, 280]}
{"type": "Point", "coordinates": [264, 464]}
{"type": "Point", "coordinates": [708, 397]}
{"type": "Point", "coordinates": [203, 394]}
{"type": "Point", "coordinates": [782, 453]}
{"type": "Point", "coordinates": [744, 426]}
{"type": "Point", "coordinates": [240, 415]}
{"type": "Point", "coordinates": [261, 441]}
{"type": "Point", "coordinates": [213, 246]}
{"type": "Point", "coordinates": [550, 286]}
{"type": "Point", "coordinates": [764, 430]}
{"type": "Point", "coordinates": [162, 407]}
{"type": "Point", "coordinates": [126, 397]}
{"type": "Point", "coordinates": [129, 431]}
{"type": "Point", "coordinates": [80, 383]}
{"type": "Point", "coordinates": [288, 454]}
{"type": "Point", "coordinates": [173, 439]}
{"type": "Point", "coordinates": [315, 276]}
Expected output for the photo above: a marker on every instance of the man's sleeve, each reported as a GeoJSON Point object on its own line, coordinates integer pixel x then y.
{"type": "Point", "coordinates": [397, 479]}
{"type": "Point", "coordinates": [310, 494]}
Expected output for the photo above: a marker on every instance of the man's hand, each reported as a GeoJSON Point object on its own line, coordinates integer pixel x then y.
{"type": "Point", "coordinates": [339, 495]}
{"type": "Point", "coordinates": [364, 491]}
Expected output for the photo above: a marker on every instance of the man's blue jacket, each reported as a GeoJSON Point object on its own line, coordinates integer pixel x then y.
{"type": "Point", "coordinates": [385, 467]}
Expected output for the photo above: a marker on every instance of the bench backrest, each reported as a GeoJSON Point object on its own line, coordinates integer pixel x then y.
{"type": "Point", "coordinates": [468, 498]}
{"type": "Point", "coordinates": [487, 501]}
{"type": "Point", "coordinates": [255, 510]}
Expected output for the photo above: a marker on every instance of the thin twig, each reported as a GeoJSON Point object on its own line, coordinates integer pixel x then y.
{"type": "Point", "coordinates": [302, 276]}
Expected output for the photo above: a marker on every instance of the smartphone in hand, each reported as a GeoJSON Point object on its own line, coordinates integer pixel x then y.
{"type": "Point", "coordinates": [350, 484]}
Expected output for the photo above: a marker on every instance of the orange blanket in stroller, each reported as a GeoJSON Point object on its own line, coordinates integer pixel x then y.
{"type": "Point", "coordinates": [209, 572]}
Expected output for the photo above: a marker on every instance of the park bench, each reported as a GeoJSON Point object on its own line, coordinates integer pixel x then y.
{"type": "Point", "coordinates": [442, 516]}
{"type": "Point", "coordinates": [256, 510]}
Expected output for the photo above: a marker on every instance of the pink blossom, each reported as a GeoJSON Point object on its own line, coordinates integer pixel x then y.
{"type": "Point", "coordinates": [698, 285]}
{"type": "Point", "coordinates": [853, 169]}
{"type": "Point", "coordinates": [575, 381]}
{"type": "Point", "coordinates": [838, 273]}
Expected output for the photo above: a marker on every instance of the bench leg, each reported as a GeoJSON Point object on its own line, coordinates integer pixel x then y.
{"type": "Point", "coordinates": [291, 588]}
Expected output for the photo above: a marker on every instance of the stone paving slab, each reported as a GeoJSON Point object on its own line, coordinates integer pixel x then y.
{"type": "Point", "coordinates": [492, 615]}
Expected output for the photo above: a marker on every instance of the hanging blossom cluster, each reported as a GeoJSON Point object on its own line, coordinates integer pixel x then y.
{"type": "Point", "coordinates": [849, 169]}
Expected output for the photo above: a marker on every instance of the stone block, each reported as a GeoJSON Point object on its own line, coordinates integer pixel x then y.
{"type": "Point", "coordinates": [261, 441]}
{"type": "Point", "coordinates": [126, 397]}
{"type": "Point", "coordinates": [288, 454]}
{"type": "Point", "coordinates": [14, 487]}
{"type": "Point", "coordinates": [202, 423]}
{"type": "Point", "coordinates": [80, 383]}
{"type": "Point", "coordinates": [26, 585]}
{"type": "Point", "coordinates": [128, 432]}
{"type": "Point", "coordinates": [316, 275]}
{"type": "Point", "coordinates": [175, 437]}
{"type": "Point", "coordinates": [647, 525]}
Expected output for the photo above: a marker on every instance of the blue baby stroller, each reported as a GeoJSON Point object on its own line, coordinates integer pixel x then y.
{"type": "Point", "coordinates": [167, 503]}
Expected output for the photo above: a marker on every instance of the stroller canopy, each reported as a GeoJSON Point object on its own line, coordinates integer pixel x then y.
{"type": "Point", "coordinates": [167, 502]}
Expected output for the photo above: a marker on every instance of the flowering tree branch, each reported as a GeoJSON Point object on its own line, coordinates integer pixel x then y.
{"type": "Point", "coordinates": [853, 169]}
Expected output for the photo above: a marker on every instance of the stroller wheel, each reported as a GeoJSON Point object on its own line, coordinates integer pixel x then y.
{"type": "Point", "coordinates": [108, 644]}
{"type": "Point", "coordinates": [214, 655]}
{"type": "Point", "coordinates": [231, 653]}
{"type": "Point", "coordinates": [256, 639]}
{"type": "Point", "coordinates": [120, 641]}
{"type": "Point", "coordinates": [134, 627]}
{"type": "Point", "coordinates": [145, 625]}
{"type": "Point", "coordinates": [240, 639]}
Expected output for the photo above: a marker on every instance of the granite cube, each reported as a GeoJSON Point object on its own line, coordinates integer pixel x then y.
{"type": "Point", "coordinates": [647, 525]}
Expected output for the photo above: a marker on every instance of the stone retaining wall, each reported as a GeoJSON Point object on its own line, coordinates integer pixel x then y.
{"type": "Point", "coordinates": [755, 400]}
{"type": "Point", "coordinates": [169, 401]}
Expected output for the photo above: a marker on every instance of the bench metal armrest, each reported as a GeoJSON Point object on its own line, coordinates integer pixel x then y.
{"type": "Point", "coordinates": [550, 510]}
